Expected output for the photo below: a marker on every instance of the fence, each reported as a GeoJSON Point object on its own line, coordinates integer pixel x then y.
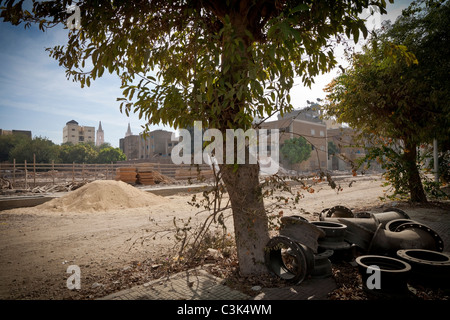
{"type": "Point", "coordinates": [31, 175]}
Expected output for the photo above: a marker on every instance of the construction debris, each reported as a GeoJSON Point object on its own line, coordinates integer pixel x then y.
{"type": "Point", "coordinates": [145, 175]}
{"type": "Point", "coordinates": [126, 174]}
{"type": "Point", "coordinates": [380, 244]}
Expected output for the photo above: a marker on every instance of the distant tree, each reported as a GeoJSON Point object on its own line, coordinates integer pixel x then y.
{"type": "Point", "coordinates": [103, 146]}
{"type": "Point", "coordinates": [296, 150]}
{"type": "Point", "coordinates": [43, 149]}
{"type": "Point", "coordinates": [8, 143]}
{"type": "Point", "coordinates": [332, 148]}
{"type": "Point", "coordinates": [110, 154]}
{"type": "Point", "coordinates": [79, 153]}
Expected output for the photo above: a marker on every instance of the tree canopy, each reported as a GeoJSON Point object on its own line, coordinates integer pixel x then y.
{"type": "Point", "coordinates": [42, 150]}
{"type": "Point", "coordinates": [220, 62]}
{"type": "Point", "coordinates": [396, 94]}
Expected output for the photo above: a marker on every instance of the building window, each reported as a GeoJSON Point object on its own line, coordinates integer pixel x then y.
{"type": "Point", "coordinates": [313, 132]}
{"type": "Point", "coordinates": [322, 134]}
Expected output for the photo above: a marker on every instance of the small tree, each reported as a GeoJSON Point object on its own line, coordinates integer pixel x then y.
{"type": "Point", "coordinates": [78, 153]}
{"type": "Point", "coordinates": [397, 95]}
{"type": "Point", "coordinates": [296, 150]}
{"type": "Point", "coordinates": [110, 154]}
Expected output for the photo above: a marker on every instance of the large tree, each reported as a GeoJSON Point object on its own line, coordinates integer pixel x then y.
{"type": "Point", "coordinates": [220, 62]}
{"type": "Point", "coordinates": [397, 91]}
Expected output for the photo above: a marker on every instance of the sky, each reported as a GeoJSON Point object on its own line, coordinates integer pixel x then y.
{"type": "Point", "coordinates": [35, 94]}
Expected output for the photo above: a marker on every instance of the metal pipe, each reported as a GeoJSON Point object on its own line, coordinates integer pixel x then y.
{"type": "Point", "coordinates": [428, 268]}
{"type": "Point", "coordinates": [406, 236]}
{"type": "Point", "coordinates": [301, 231]}
{"type": "Point", "coordinates": [334, 235]}
{"type": "Point", "coordinates": [287, 259]}
{"type": "Point", "coordinates": [393, 275]}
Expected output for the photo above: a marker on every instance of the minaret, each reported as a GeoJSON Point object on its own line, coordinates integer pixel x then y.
{"type": "Point", "coordinates": [100, 135]}
{"type": "Point", "coordinates": [128, 133]}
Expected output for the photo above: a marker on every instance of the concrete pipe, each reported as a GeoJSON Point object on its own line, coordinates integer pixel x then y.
{"type": "Point", "coordinates": [337, 212]}
{"type": "Point", "coordinates": [391, 280]}
{"type": "Point", "coordinates": [334, 235]}
{"type": "Point", "coordinates": [406, 236]}
{"type": "Point", "coordinates": [287, 259]}
{"type": "Point", "coordinates": [428, 268]}
{"type": "Point", "coordinates": [322, 265]}
{"type": "Point", "coordinates": [301, 231]}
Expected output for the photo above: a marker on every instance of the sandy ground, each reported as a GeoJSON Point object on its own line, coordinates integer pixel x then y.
{"type": "Point", "coordinates": [37, 246]}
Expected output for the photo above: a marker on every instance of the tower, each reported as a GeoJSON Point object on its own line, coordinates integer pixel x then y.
{"type": "Point", "coordinates": [100, 135]}
{"type": "Point", "coordinates": [128, 133]}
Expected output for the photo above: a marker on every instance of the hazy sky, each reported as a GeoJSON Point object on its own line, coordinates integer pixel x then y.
{"type": "Point", "coordinates": [35, 94]}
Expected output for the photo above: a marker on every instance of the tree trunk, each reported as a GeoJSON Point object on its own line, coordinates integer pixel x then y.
{"type": "Point", "coordinates": [415, 186]}
{"type": "Point", "coordinates": [250, 219]}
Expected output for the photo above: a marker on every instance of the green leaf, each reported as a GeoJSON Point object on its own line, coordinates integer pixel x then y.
{"type": "Point", "coordinates": [300, 7]}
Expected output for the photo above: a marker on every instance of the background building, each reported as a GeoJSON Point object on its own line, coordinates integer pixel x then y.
{"type": "Point", "coordinates": [348, 149]}
{"type": "Point", "coordinates": [16, 132]}
{"type": "Point", "coordinates": [294, 125]}
{"type": "Point", "coordinates": [155, 144]}
{"type": "Point", "coordinates": [75, 133]}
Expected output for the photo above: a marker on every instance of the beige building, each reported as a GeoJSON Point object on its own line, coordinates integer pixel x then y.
{"type": "Point", "coordinates": [154, 144]}
{"type": "Point", "coordinates": [15, 132]}
{"type": "Point", "coordinates": [74, 133]}
{"type": "Point", "coordinates": [348, 152]}
{"type": "Point", "coordinates": [315, 132]}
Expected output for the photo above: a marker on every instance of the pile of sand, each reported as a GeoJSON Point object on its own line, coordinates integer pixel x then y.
{"type": "Point", "coordinates": [102, 195]}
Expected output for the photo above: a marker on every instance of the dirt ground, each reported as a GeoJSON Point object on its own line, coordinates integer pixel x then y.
{"type": "Point", "coordinates": [120, 248]}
